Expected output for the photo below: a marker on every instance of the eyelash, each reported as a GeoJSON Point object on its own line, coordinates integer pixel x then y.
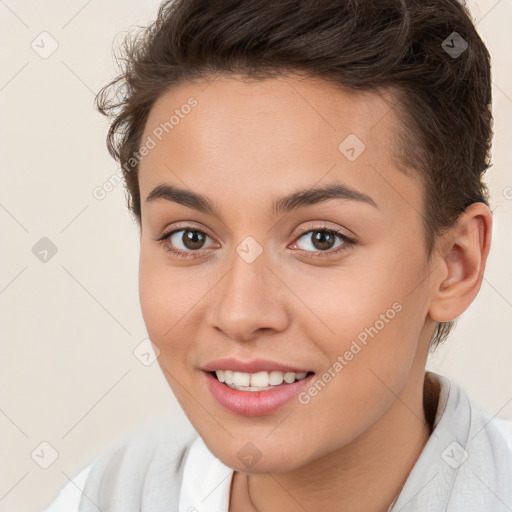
{"type": "Point", "coordinates": [347, 241]}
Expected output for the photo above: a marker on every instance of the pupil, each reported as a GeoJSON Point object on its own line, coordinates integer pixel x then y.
{"type": "Point", "coordinates": [323, 239]}
{"type": "Point", "coordinates": [193, 239]}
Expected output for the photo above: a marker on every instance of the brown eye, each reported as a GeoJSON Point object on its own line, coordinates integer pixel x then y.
{"type": "Point", "coordinates": [322, 242]}
{"type": "Point", "coordinates": [184, 242]}
{"type": "Point", "coordinates": [193, 240]}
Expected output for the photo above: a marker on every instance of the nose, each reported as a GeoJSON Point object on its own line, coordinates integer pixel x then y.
{"type": "Point", "coordinates": [249, 301]}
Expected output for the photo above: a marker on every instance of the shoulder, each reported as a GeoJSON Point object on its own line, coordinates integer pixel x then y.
{"type": "Point", "coordinates": [466, 463]}
{"type": "Point", "coordinates": [504, 426]}
{"type": "Point", "coordinates": [486, 462]}
{"type": "Point", "coordinates": [132, 474]}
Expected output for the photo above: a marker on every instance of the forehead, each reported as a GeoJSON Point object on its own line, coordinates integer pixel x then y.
{"type": "Point", "coordinates": [263, 136]}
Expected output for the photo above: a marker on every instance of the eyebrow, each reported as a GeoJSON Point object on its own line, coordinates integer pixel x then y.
{"type": "Point", "coordinates": [293, 201]}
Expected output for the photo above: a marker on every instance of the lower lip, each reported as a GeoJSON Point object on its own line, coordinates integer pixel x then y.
{"type": "Point", "coordinates": [255, 403]}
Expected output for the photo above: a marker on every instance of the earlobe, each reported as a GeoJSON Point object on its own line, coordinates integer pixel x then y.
{"type": "Point", "coordinates": [461, 258]}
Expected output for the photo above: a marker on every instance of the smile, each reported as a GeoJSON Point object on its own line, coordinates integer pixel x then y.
{"type": "Point", "coordinates": [259, 381]}
{"type": "Point", "coordinates": [238, 394]}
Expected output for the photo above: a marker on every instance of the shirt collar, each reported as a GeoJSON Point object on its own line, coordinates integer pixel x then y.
{"type": "Point", "coordinates": [466, 463]}
{"type": "Point", "coordinates": [206, 481]}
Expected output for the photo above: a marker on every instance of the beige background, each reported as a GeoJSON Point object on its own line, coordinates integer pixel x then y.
{"type": "Point", "coordinates": [70, 325]}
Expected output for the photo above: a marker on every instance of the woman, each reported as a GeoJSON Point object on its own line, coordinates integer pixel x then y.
{"type": "Point", "coordinates": [311, 224]}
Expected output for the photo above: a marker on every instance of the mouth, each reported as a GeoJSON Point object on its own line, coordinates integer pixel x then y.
{"type": "Point", "coordinates": [255, 394]}
{"type": "Point", "coordinates": [259, 381]}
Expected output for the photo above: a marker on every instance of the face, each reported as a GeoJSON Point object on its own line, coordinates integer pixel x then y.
{"type": "Point", "coordinates": [331, 284]}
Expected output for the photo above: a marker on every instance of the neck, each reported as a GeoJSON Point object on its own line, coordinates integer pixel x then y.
{"type": "Point", "coordinates": [366, 475]}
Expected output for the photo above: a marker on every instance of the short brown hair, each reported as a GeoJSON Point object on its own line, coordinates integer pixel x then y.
{"type": "Point", "coordinates": [444, 101]}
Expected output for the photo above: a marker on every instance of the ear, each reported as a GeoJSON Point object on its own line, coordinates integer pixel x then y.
{"type": "Point", "coordinates": [461, 257]}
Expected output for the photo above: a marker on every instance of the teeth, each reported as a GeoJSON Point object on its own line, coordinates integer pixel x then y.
{"type": "Point", "coordinates": [276, 378]}
{"type": "Point", "coordinates": [241, 379]}
{"type": "Point", "coordinates": [260, 379]}
{"type": "Point", "coordinates": [257, 381]}
{"type": "Point", "coordinates": [289, 377]}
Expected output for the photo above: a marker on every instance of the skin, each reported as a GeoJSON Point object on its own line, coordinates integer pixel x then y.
{"type": "Point", "coordinates": [243, 146]}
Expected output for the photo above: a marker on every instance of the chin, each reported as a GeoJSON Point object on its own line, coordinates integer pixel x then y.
{"type": "Point", "coordinates": [259, 455]}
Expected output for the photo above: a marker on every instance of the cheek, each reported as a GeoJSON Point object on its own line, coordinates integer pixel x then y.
{"type": "Point", "coordinates": [347, 301]}
{"type": "Point", "coordinates": [153, 299]}
{"type": "Point", "coordinates": [170, 299]}
{"type": "Point", "coordinates": [160, 299]}
{"type": "Point", "coordinates": [370, 314]}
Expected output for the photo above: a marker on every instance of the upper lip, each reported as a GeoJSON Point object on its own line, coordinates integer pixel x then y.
{"type": "Point", "coordinates": [252, 366]}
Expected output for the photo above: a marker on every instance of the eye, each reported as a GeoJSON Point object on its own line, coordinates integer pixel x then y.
{"type": "Point", "coordinates": [322, 240]}
{"type": "Point", "coordinates": [184, 242]}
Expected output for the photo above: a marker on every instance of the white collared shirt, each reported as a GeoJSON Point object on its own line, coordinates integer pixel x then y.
{"type": "Point", "coordinates": [465, 466]}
